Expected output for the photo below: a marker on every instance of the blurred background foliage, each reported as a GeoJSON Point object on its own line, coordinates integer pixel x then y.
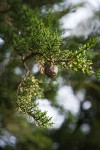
{"type": "Point", "coordinates": [77, 132]}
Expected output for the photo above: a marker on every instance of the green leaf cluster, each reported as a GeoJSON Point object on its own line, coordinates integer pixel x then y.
{"type": "Point", "coordinates": [97, 73]}
{"type": "Point", "coordinates": [78, 60]}
{"type": "Point", "coordinates": [28, 91]}
{"type": "Point", "coordinates": [33, 35]}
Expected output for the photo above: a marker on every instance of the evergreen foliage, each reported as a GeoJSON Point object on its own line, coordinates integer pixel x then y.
{"type": "Point", "coordinates": [29, 91]}
{"type": "Point", "coordinates": [31, 38]}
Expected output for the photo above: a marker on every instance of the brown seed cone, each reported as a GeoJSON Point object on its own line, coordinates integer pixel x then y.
{"type": "Point", "coordinates": [51, 70]}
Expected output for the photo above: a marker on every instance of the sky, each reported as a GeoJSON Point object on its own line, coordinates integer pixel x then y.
{"type": "Point", "coordinates": [80, 22]}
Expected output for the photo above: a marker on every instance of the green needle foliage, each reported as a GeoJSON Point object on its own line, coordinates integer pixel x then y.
{"type": "Point", "coordinates": [97, 73]}
{"type": "Point", "coordinates": [29, 37]}
{"type": "Point", "coordinates": [28, 92]}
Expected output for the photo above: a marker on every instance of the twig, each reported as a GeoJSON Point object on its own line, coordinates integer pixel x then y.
{"type": "Point", "coordinates": [66, 60]}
